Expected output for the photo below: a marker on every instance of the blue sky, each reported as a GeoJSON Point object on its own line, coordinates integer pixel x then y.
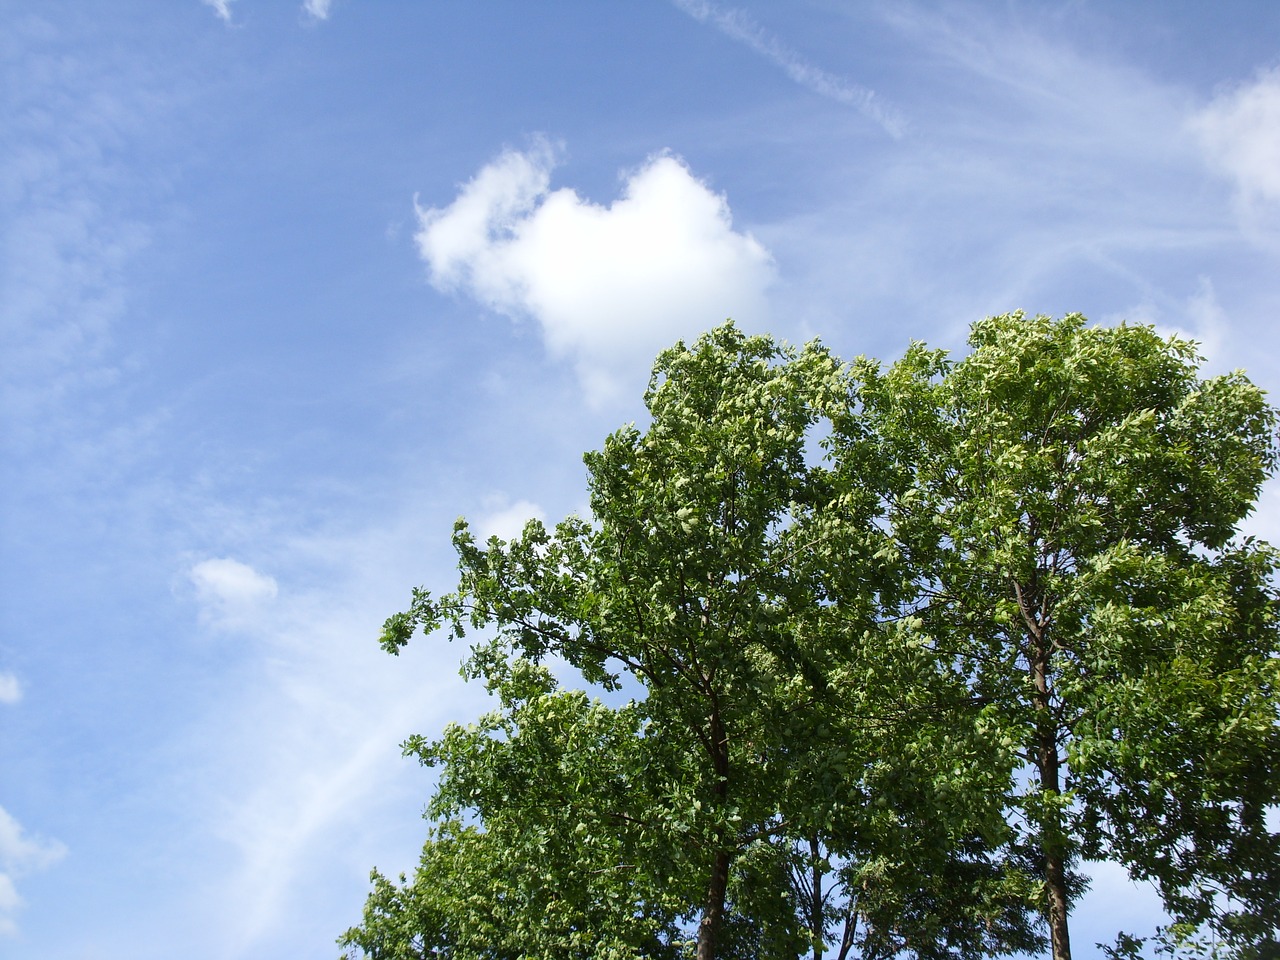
{"type": "Point", "coordinates": [286, 287]}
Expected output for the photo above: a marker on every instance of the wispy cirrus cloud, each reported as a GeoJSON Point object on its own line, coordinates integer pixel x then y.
{"type": "Point", "coordinates": [1045, 174]}
{"type": "Point", "coordinates": [316, 9]}
{"type": "Point", "coordinates": [298, 765]}
{"type": "Point", "coordinates": [71, 229]}
{"type": "Point", "coordinates": [607, 285]}
{"type": "Point", "coordinates": [739, 26]}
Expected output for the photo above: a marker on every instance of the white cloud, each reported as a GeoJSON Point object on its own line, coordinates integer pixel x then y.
{"type": "Point", "coordinates": [1240, 135]}
{"type": "Point", "coordinates": [609, 286]}
{"type": "Point", "coordinates": [10, 688]}
{"type": "Point", "coordinates": [19, 854]}
{"type": "Point", "coordinates": [457, 242]}
{"type": "Point", "coordinates": [318, 8]}
{"type": "Point", "coordinates": [507, 522]}
{"type": "Point", "coordinates": [229, 591]}
{"type": "Point", "coordinates": [738, 26]}
{"type": "Point", "coordinates": [221, 7]}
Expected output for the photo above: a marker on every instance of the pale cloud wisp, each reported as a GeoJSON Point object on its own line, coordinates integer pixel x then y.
{"type": "Point", "coordinates": [230, 592]}
{"type": "Point", "coordinates": [19, 854]}
{"type": "Point", "coordinates": [10, 688]}
{"type": "Point", "coordinates": [222, 8]}
{"type": "Point", "coordinates": [507, 522]}
{"type": "Point", "coordinates": [319, 9]}
{"type": "Point", "coordinates": [1239, 132]}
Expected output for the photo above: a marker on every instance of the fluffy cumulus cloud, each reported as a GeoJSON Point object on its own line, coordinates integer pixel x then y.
{"type": "Point", "coordinates": [609, 286]}
{"type": "Point", "coordinates": [318, 8]}
{"type": "Point", "coordinates": [10, 688]}
{"type": "Point", "coordinates": [230, 592]}
{"type": "Point", "coordinates": [20, 854]}
{"type": "Point", "coordinates": [1240, 134]}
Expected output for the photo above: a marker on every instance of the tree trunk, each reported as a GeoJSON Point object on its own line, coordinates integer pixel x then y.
{"type": "Point", "coordinates": [816, 926]}
{"type": "Point", "coordinates": [1052, 841]}
{"type": "Point", "coordinates": [1059, 934]}
{"type": "Point", "coordinates": [718, 886]}
{"type": "Point", "coordinates": [713, 910]}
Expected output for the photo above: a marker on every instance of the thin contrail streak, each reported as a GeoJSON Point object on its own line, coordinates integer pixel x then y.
{"type": "Point", "coordinates": [740, 27]}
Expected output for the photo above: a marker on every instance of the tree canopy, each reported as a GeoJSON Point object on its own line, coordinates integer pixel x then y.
{"type": "Point", "coordinates": [1068, 497]}
{"type": "Point", "coordinates": [878, 655]}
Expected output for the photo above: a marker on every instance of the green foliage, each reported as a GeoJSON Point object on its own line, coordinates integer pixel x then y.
{"type": "Point", "coordinates": [561, 866]}
{"type": "Point", "coordinates": [1066, 497]}
{"type": "Point", "coordinates": [905, 644]}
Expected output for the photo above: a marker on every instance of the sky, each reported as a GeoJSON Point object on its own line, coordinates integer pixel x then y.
{"type": "Point", "coordinates": [287, 287]}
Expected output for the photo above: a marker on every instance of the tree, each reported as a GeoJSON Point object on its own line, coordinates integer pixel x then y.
{"type": "Point", "coordinates": [903, 646]}
{"type": "Point", "coordinates": [784, 727]}
{"type": "Point", "coordinates": [1066, 500]}
{"type": "Point", "coordinates": [680, 583]}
